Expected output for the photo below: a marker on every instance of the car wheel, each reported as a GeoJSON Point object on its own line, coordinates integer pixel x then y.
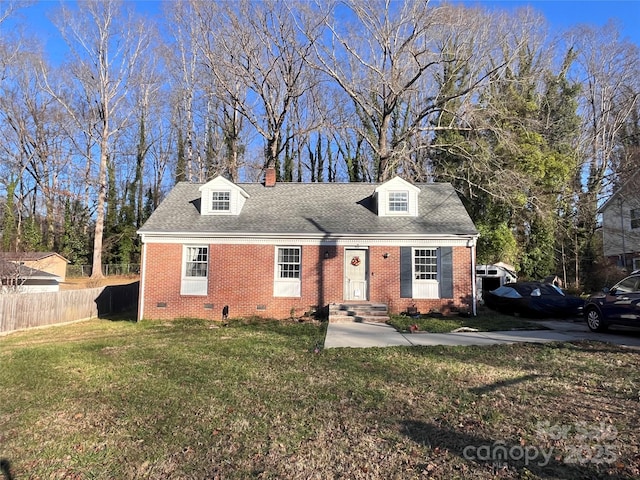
{"type": "Point", "coordinates": [595, 321]}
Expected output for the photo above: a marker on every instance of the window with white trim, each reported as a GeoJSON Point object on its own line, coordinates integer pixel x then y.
{"type": "Point", "coordinates": [635, 218]}
{"type": "Point", "coordinates": [425, 264]}
{"type": "Point", "coordinates": [399, 202]}
{"type": "Point", "coordinates": [289, 262]}
{"type": "Point", "coordinates": [220, 201]}
{"type": "Point", "coordinates": [396, 198]}
{"type": "Point", "coordinates": [197, 261]}
{"type": "Point", "coordinates": [288, 272]}
{"type": "Point", "coordinates": [221, 197]}
{"type": "Point", "coordinates": [195, 270]}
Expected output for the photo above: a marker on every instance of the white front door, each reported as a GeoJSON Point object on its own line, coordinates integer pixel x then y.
{"type": "Point", "coordinates": [355, 274]}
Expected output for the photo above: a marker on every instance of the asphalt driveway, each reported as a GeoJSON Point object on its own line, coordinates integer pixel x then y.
{"type": "Point", "coordinates": [365, 334]}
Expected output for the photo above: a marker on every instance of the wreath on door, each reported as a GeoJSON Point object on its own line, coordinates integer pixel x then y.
{"type": "Point", "coordinates": [355, 261]}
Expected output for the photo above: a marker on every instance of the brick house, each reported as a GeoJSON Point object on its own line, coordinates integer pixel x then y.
{"type": "Point", "coordinates": [279, 250]}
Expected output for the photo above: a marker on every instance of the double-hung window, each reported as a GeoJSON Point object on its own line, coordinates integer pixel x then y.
{"type": "Point", "coordinates": [289, 262]}
{"type": "Point", "coordinates": [425, 261]}
{"type": "Point", "coordinates": [288, 272]}
{"type": "Point", "coordinates": [195, 270]}
{"type": "Point", "coordinates": [425, 273]}
{"type": "Point", "coordinates": [398, 202]}
{"type": "Point", "coordinates": [635, 218]}
{"type": "Point", "coordinates": [220, 201]}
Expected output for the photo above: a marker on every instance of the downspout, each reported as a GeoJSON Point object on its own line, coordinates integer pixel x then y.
{"type": "Point", "coordinates": [474, 301]}
{"type": "Point", "coordinates": [624, 247]}
{"type": "Point", "coordinates": [143, 271]}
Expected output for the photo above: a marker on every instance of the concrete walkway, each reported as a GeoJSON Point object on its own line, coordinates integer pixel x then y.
{"type": "Point", "coordinates": [362, 335]}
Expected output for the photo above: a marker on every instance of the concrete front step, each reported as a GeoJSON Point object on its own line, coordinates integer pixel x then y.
{"type": "Point", "coordinates": [358, 312]}
{"type": "Point", "coordinates": [357, 318]}
{"type": "Point", "coordinates": [371, 307]}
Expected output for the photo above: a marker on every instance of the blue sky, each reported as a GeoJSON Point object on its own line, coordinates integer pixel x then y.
{"type": "Point", "coordinates": [561, 15]}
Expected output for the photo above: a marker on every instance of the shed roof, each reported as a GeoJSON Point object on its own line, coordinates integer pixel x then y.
{"type": "Point", "coordinates": [10, 270]}
{"type": "Point", "coordinates": [28, 256]}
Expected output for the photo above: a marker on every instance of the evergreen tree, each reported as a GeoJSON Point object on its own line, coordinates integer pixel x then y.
{"type": "Point", "coordinates": [75, 245]}
{"type": "Point", "coordinates": [149, 206]}
{"type": "Point", "coordinates": [9, 223]}
{"type": "Point", "coordinates": [31, 238]}
{"type": "Point", "coordinates": [138, 183]}
{"type": "Point", "coordinates": [181, 160]}
{"type": "Point", "coordinates": [511, 161]}
{"type": "Point", "coordinates": [288, 162]}
{"type": "Point", "coordinates": [520, 148]}
{"type": "Point", "coordinates": [319, 160]}
{"type": "Point", "coordinates": [560, 127]}
{"type": "Point", "coordinates": [211, 165]}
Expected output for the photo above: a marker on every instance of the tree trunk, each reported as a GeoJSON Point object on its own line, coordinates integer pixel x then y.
{"type": "Point", "coordinates": [384, 155]}
{"type": "Point", "coordinates": [273, 145]}
{"type": "Point", "coordinates": [96, 272]}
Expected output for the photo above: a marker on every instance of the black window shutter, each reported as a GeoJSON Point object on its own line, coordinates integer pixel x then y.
{"type": "Point", "coordinates": [446, 272]}
{"type": "Point", "coordinates": [406, 275]}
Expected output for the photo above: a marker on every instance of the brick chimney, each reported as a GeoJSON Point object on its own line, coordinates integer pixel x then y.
{"type": "Point", "coordinates": [270, 177]}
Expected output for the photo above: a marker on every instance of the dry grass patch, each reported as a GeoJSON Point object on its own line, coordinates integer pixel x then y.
{"type": "Point", "coordinates": [486, 321]}
{"type": "Point", "coordinates": [75, 283]}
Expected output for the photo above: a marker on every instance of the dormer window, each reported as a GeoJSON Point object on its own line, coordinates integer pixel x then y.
{"type": "Point", "coordinates": [220, 201]}
{"type": "Point", "coordinates": [396, 198]}
{"type": "Point", "coordinates": [399, 202]}
{"type": "Point", "coordinates": [221, 197]}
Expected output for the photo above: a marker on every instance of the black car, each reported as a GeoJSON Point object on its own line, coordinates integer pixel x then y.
{"type": "Point", "coordinates": [619, 305]}
{"type": "Point", "coordinates": [533, 299]}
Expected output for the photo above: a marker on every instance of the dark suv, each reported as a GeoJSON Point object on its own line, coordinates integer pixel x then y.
{"type": "Point", "coordinates": [619, 305]}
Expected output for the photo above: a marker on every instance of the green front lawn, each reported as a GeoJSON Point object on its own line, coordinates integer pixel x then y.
{"type": "Point", "coordinates": [486, 321]}
{"type": "Point", "coordinates": [181, 399]}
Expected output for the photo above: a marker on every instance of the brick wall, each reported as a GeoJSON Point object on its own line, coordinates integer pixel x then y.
{"type": "Point", "coordinates": [385, 282]}
{"type": "Point", "coordinates": [242, 276]}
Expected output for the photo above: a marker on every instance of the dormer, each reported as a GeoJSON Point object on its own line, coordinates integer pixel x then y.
{"type": "Point", "coordinates": [397, 198]}
{"type": "Point", "coordinates": [221, 197]}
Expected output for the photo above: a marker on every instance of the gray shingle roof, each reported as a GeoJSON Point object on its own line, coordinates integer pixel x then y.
{"type": "Point", "coordinates": [11, 270]}
{"type": "Point", "coordinates": [311, 209]}
{"type": "Point", "coordinates": [28, 256]}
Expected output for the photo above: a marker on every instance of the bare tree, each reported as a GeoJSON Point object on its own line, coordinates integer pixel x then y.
{"type": "Point", "coordinates": [147, 81]}
{"type": "Point", "coordinates": [257, 58]}
{"type": "Point", "coordinates": [34, 127]}
{"type": "Point", "coordinates": [609, 72]}
{"type": "Point", "coordinates": [610, 68]}
{"type": "Point", "coordinates": [11, 278]}
{"type": "Point", "coordinates": [385, 61]}
{"type": "Point", "coordinates": [182, 62]}
{"type": "Point", "coordinates": [9, 47]}
{"type": "Point", "coordinates": [106, 46]}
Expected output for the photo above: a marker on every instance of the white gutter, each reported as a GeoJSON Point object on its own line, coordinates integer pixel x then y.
{"type": "Point", "coordinates": [315, 238]}
{"type": "Point", "coordinates": [143, 272]}
{"type": "Point", "coordinates": [183, 233]}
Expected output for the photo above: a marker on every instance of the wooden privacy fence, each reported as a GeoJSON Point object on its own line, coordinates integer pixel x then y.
{"type": "Point", "coordinates": [19, 311]}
